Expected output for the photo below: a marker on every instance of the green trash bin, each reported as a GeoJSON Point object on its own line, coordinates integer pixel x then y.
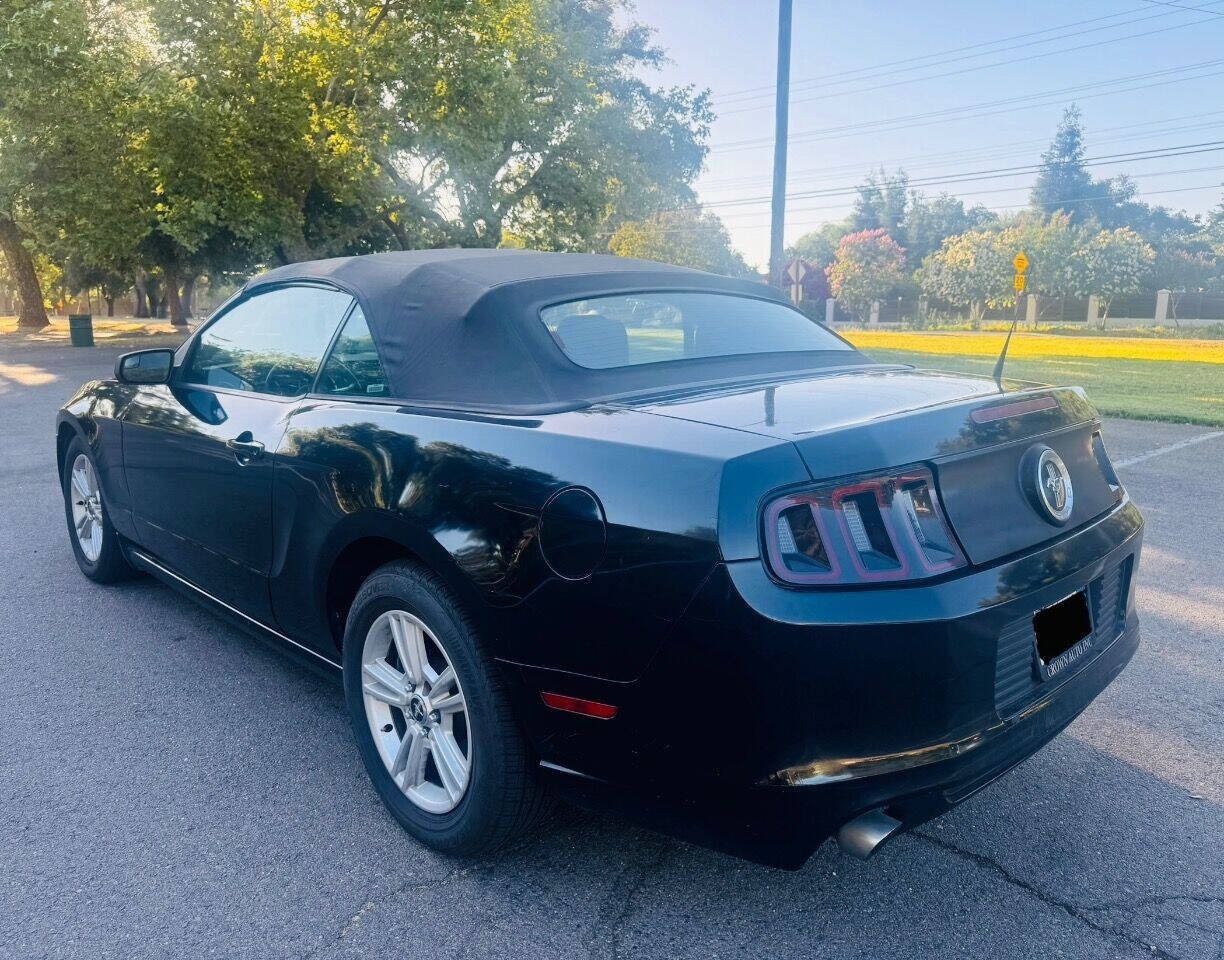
{"type": "Point", "coordinates": [80, 329]}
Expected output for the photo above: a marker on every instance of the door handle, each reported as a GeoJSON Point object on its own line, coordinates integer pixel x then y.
{"type": "Point", "coordinates": [245, 450]}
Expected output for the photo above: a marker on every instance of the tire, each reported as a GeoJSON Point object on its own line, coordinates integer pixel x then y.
{"type": "Point", "coordinates": [100, 559]}
{"type": "Point", "coordinates": [502, 797]}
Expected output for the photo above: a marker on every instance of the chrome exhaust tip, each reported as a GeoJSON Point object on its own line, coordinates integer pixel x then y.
{"type": "Point", "coordinates": [866, 833]}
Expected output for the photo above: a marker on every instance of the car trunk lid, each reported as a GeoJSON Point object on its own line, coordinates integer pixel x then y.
{"type": "Point", "coordinates": [974, 435]}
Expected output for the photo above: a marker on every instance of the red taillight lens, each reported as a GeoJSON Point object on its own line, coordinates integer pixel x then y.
{"type": "Point", "coordinates": [870, 529]}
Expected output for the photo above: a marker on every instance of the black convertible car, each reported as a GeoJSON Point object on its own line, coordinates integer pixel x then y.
{"type": "Point", "coordinates": [636, 532]}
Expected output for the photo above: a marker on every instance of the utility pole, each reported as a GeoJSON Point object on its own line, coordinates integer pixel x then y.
{"type": "Point", "coordinates": [781, 118]}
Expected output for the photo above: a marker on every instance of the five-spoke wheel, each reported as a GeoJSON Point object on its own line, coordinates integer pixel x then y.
{"type": "Point", "coordinates": [95, 544]}
{"type": "Point", "coordinates": [416, 711]}
{"type": "Point", "coordinates": [432, 716]}
{"type": "Point", "coordinates": [86, 507]}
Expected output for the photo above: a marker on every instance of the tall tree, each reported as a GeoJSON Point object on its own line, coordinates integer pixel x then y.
{"type": "Point", "coordinates": [881, 204]}
{"type": "Point", "coordinates": [425, 124]}
{"type": "Point", "coordinates": [38, 41]}
{"type": "Point", "coordinates": [1064, 183]}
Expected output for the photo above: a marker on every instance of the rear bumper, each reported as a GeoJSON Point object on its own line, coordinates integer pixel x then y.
{"type": "Point", "coordinates": [772, 716]}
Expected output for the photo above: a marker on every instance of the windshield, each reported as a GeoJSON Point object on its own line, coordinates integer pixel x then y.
{"type": "Point", "coordinates": [630, 329]}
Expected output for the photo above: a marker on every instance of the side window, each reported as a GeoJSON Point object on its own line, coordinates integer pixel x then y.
{"type": "Point", "coordinates": [353, 367]}
{"type": "Point", "coordinates": [272, 343]}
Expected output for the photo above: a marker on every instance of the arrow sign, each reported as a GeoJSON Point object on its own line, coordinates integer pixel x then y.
{"type": "Point", "coordinates": [1021, 263]}
{"type": "Point", "coordinates": [796, 270]}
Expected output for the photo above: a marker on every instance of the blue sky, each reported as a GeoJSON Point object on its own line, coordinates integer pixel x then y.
{"type": "Point", "coordinates": [1175, 96]}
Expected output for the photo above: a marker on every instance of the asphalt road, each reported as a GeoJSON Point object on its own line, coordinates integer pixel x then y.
{"type": "Point", "coordinates": [171, 787]}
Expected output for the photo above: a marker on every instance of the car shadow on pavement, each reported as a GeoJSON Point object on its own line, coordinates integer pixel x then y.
{"type": "Point", "coordinates": [1101, 855]}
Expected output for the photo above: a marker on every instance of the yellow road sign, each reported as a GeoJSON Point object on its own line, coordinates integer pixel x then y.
{"type": "Point", "coordinates": [1019, 282]}
{"type": "Point", "coordinates": [1021, 263]}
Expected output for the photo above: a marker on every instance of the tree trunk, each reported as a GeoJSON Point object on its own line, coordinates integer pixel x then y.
{"type": "Point", "coordinates": [33, 314]}
{"type": "Point", "coordinates": [110, 306]}
{"type": "Point", "coordinates": [174, 301]}
{"type": "Point", "coordinates": [142, 298]}
{"type": "Point", "coordinates": [188, 296]}
{"type": "Point", "coordinates": [153, 290]}
{"type": "Point", "coordinates": [162, 304]}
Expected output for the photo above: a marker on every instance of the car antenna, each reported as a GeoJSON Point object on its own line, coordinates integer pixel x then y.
{"type": "Point", "coordinates": [998, 367]}
{"type": "Point", "coordinates": [1021, 263]}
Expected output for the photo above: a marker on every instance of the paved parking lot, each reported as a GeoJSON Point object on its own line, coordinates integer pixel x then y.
{"type": "Point", "coordinates": [171, 787]}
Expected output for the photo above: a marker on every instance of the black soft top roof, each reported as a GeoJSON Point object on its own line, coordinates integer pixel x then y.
{"type": "Point", "coordinates": [461, 328]}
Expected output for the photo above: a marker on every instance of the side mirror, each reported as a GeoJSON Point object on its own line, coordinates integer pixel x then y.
{"type": "Point", "coordinates": [145, 366]}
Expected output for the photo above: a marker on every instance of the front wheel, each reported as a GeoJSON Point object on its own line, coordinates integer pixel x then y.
{"type": "Point", "coordinates": [94, 540]}
{"type": "Point", "coordinates": [432, 719]}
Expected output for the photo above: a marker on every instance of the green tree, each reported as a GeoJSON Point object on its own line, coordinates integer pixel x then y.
{"type": "Point", "coordinates": [170, 138]}
{"type": "Point", "coordinates": [1112, 264]}
{"type": "Point", "coordinates": [971, 270]}
{"type": "Point", "coordinates": [819, 246]}
{"type": "Point", "coordinates": [1050, 246]}
{"type": "Point", "coordinates": [881, 204]}
{"type": "Point", "coordinates": [40, 43]}
{"type": "Point", "coordinates": [867, 266]}
{"type": "Point", "coordinates": [1064, 183]}
{"type": "Point", "coordinates": [931, 220]}
{"type": "Point", "coordinates": [688, 238]}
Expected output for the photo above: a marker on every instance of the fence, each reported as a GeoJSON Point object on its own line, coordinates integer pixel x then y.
{"type": "Point", "coordinates": [1176, 309]}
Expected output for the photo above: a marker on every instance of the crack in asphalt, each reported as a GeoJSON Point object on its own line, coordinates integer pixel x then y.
{"type": "Point", "coordinates": [1155, 901]}
{"type": "Point", "coordinates": [618, 906]}
{"type": "Point", "coordinates": [374, 903]}
{"type": "Point", "coordinates": [1071, 909]}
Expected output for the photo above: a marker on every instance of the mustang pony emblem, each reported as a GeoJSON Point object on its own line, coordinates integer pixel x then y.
{"type": "Point", "coordinates": [1045, 479]}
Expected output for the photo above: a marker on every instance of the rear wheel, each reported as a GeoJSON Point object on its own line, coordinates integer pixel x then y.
{"type": "Point", "coordinates": [94, 540]}
{"type": "Point", "coordinates": [432, 719]}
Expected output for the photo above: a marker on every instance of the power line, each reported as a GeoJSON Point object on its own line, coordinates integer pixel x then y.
{"type": "Point", "coordinates": [984, 66]}
{"type": "Point", "coordinates": [1155, 153]}
{"type": "Point", "coordinates": [994, 190]}
{"type": "Point", "coordinates": [702, 228]}
{"type": "Point", "coordinates": [975, 153]}
{"type": "Point", "coordinates": [942, 57]}
{"type": "Point", "coordinates": [1006, 104]}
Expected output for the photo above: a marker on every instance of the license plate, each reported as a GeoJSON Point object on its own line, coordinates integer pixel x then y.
{"type": "Point", "coordinates": [1063, 632]}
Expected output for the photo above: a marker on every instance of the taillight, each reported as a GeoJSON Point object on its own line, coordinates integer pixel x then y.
{"type": "Point", "coordinates": [884, 527]}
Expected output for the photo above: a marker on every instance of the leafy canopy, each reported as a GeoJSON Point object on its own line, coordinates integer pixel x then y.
{"type": "Point", "coordinates": [688, 238]}
{"type": "Point", "coordinates": [868, 264]}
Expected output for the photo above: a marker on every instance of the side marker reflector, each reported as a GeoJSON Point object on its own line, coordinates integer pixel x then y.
{"type": "Point", "coordinates": [587, 708]}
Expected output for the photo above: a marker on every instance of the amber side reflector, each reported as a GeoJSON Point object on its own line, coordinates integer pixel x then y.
{"type": "Point", "coordinates": [588, 708]}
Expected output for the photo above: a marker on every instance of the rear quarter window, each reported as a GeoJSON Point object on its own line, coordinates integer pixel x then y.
{"type": "Point", "coordinates": [626, 330]}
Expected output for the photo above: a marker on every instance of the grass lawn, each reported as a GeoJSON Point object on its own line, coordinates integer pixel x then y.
{"type": "Point", "coordinates": [1043, 345]}
{"type": "Point", "coordinates": [1175, 380]}
{"type": "Point", "coordinates": [108, 332]}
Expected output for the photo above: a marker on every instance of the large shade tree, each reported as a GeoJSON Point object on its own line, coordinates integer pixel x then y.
{"type": "Point", "coordinates": [224, 134]}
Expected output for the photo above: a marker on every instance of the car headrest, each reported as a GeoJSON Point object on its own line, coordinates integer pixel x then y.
{"type": "Point", "coordinates": [594, 340]}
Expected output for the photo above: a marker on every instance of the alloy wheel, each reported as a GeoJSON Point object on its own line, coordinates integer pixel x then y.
{"type": "Point", "coordinates": [86, 508]}
{"type": "Point", "coordinates": [417, 712]}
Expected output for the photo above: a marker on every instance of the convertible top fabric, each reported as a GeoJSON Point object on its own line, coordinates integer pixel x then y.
{"type": "Point", "coordinates": [461, 328]}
